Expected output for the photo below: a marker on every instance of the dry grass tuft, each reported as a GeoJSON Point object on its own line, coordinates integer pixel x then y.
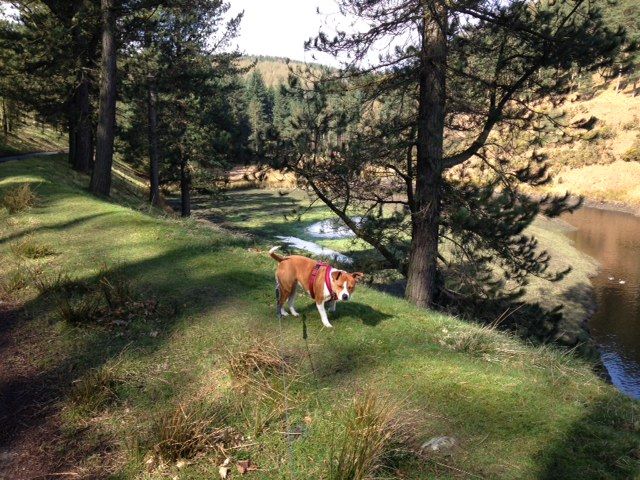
{"type": "Point", "coordinates": [50, 282]}
{"type": "Point", "coordinates": [477, 341]}
{"type": "Point", "coordinates": [11, 283]}
{"type": "Point", "coordinates": [374, 437]}
{"type": "Point", "coordinates": [96, 388]}
{"type": "Point", "coordinates": [190, 429]}
{"type": "Point", "coordinates": [259, 359]}
{"type": "Point", "coordinates": [118, 292]}
{"type": "Point", "coordinates": [263, 383]}
{"type": "Point", "coordinates": [29, 248]}
{"type": "Point", "coordinates": [77, 309]}
{"type": "Point", "coordinates": [19, 199]}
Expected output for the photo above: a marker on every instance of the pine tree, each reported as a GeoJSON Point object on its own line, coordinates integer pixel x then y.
{"type": "Point", "coordinates": [455, 93]}
{"type": "Point", "coordinates": [54, 44]}
{"type": "Point", "coordinates": [186, 87]}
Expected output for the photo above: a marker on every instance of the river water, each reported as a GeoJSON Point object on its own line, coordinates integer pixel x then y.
{"type": "Point", "coordinates": [613, 239]}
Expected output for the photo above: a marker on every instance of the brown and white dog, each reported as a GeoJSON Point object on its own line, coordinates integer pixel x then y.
{"type": "Point", "coordinates": [322, 282]}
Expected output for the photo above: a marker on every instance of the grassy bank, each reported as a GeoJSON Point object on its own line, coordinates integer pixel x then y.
{"type": "Point", "coordinates": [28, 136]}
{"type": "Point", "coordinates": [266, 214]}
{"type": "Point", "coordinates": [159, 339]}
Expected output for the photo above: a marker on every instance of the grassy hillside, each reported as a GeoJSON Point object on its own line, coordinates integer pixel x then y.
{"type": "Point", "coordinates": [29, 136]}
{"type": "Point", "coordinates": [266, 214]}
{"type": "Point", "coordinates": [159, 342]}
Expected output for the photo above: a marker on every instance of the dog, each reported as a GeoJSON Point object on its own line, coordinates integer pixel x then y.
{"type": "Point", "coordinates": [320, 280]}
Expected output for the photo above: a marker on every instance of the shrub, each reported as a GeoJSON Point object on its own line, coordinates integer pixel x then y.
{"type": "Point", "coordinates": [19, 199]}
{"type": "Point", "coordinates": [29, 248]}
{"type": "Point", "coordinates": [606, 132]}
{"type": "Point", "coordinates": [373, 436]}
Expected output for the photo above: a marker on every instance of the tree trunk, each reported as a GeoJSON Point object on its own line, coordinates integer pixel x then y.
{"type": "Point", "coordinates": [422, 283]}
{"type": "Point", "coordinates": [83, 156]}
{"type": "Point", "coordinates": [5, 118]}
{"type": "Point", "coordinates": [101, 177]}
{"type": "Point", "coordinates": [185, 187]}
{"type": "Point", "coordinates": [72, 122]}
{"type": "Point", "coordinates": [154, 175]}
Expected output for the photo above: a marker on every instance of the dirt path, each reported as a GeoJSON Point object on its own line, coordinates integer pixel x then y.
{"type": "Point", "coordinates": [22, 156]}
{"type": "Point", "coordinates": [28, 417]}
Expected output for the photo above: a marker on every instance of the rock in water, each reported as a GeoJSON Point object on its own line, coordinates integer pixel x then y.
{"type": "Point", "coordinates": [440, 445]}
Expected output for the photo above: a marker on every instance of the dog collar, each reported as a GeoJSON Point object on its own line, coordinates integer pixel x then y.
{"type": "Point", "coordinates": [327, 279]}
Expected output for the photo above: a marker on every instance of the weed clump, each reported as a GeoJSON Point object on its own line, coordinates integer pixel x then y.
{"type": "Point", "coordinates": [19, 199]}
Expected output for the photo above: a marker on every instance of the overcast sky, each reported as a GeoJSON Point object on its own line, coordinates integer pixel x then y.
{"type": "Point", "coordinates": [276, 27]}
{"type": "Point", "coordinates": [280, 27]}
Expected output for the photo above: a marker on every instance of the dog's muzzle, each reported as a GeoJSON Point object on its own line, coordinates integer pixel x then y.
{"type": "Point", "coordinates": [345, 296]}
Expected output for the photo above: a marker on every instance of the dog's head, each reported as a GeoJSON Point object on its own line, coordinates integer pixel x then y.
{"type": "Point", "coordinates": [344, 283]}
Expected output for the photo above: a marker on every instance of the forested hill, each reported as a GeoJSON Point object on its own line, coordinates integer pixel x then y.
{"type": "Point", "coordinates": [274, 70]}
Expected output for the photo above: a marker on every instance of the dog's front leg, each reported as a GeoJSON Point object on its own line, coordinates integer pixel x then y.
{"type": "Point", "coordinates": [323, 315]}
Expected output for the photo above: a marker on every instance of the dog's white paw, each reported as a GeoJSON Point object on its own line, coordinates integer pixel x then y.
{"type": "Point", "coordinates": [284, 313]}
{"type": "Point", "coordinates": [294, 313]}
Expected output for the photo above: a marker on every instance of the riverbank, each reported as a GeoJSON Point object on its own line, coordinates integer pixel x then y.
{"type": "Point", "coordinates": [194, 302]}
{"type": "Point", "coordinates": [269, 215]}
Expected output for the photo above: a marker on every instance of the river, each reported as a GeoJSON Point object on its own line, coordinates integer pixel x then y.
{"type": "Point", "coordinates": [613, 239]}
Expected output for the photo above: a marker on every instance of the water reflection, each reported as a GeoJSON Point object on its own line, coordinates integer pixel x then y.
{"type": "Point", "coordinates": [613, 238]}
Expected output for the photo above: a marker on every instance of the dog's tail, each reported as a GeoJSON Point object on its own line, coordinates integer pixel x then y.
{"type": "Point", "coordinates": [275, 256]}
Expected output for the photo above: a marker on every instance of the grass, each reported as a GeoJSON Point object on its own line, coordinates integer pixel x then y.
{"type": "Point", "coordinates": [29, 136]}
{"type": "Point", "coordinates": [516, 411]}
{"type": "Point", "coordinates": [18, 199]}
{"type": "Point", "coordinates": [372, 438]}
{"type": "Point", "coordinates": [29, 248]}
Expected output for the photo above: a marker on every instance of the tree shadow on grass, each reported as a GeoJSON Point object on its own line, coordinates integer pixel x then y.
{"type": "Point", "coordinates": [602, 444]}
{"type": "Point", "coordinates": [76, 222]}
{"type": "Point", "coordinates": [25, 391]}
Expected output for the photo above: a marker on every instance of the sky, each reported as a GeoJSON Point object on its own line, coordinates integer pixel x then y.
{"type": "Point", "coordinates": [280, 27]}
{"type": "Point", "coordinates": [277, 28]}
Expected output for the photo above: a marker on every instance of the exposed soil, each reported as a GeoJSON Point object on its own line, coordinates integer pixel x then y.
{"type": "Point", "coordinates": [28, 415]}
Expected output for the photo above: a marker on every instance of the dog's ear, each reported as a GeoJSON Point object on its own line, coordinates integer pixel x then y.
{"type": "Point", "coordinates": [336, 274]}
{"type": "Point", "coordinates": [357, 275]}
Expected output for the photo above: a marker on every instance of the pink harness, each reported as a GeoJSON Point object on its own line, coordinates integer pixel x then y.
{"type": "Point", "coordinates": [327, 279]}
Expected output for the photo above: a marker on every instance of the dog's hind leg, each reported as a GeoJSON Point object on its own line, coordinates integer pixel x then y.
{"type": "Point", "coordinates": [292, 300]}
{"type": "Point", "coordinates": [281, 297]}
{"type": "Point", "coordinates": [278, 307]}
